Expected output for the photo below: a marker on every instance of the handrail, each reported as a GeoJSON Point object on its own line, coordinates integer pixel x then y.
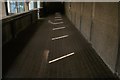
{"type": "Point", "coordinates": [18, 15]}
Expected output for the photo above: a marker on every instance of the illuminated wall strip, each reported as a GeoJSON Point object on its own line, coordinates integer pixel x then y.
{"type": "Point", "coordinates": [60, 37]}
{"type": "Point", "coordinates": [61, 57]}
{"type": "Point", "coordinates": [59, 28]}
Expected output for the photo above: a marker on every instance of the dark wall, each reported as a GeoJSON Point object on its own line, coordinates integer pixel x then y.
{"type": "Point", "coordinates": [98, 22]}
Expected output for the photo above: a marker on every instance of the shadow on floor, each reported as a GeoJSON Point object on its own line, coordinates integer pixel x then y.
{"type": "Point", "coordinates": [13, 48]}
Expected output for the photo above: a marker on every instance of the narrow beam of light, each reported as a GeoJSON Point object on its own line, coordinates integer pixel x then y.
{"type": "Point", "coordinates": [58, 23]}
{"type": "Point", "coordinates": [60, 37]}
{"type": "Point", "coordinates": [61, 57]}
{"type": "Point", "coordinates": [57, 13]}
{"type": "Point", "coordinates": [55, 23]}
{"type": "Point", "coordinates": [58, 17]}
{"type": "Point", "coordinates": [58, 28]}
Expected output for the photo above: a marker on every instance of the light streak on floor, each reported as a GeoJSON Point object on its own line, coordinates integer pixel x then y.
{"type": "Point", "coordinates": [58, 17]}
{"type": "Point", "coordinates": [60, 37]}
{"type": "Point", "coordinates": [59, 28]}
{"type": "Point", "coordinates": [61, 57]}
{"type": "Point", "coordinates": [55, 23]}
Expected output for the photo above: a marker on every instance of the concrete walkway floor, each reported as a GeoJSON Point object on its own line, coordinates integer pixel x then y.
{"type": "Point", "coordinates": [55, 49]}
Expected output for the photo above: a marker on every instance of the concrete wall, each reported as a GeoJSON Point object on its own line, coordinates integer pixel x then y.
{"type": "Point", "coordinates": [86, 20]}
{"type": "Point", "coordinates": [98, 22]}
{"type": "Point", "coordinates": [105, 32]}
{"type": "Point", "coordinates": [118, 60]}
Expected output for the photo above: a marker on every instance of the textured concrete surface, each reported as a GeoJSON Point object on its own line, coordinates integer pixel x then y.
{"type": "Point", "coordinates": [99, 25]}
{"type": "Point", "coordinates": [86, 20]}
{"type": "Point", "coordinates": [118, 56]}
{"type": "Point", "coordinates": [105, 32]}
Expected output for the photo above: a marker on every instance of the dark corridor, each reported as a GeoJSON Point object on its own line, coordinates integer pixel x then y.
{"type": "Point", "coordinates": [68, 40]}
{"type": "Point", "coordinates": [53, 7]}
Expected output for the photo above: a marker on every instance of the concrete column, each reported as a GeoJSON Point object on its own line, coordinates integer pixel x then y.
{"type": "Point", "coordinates": [26, 6]}
{"type": "Point", "coordinates": [3, 9]}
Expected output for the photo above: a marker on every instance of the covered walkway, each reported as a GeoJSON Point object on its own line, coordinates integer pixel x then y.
{"type": "Point", "coordinates": [54, 48]}
{"type": "Point", "coordinates": [60, 40]}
